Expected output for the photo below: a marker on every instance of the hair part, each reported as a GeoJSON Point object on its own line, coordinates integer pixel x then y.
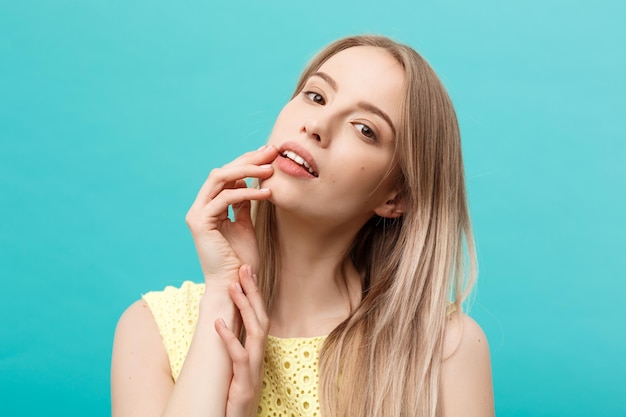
{"type": "Point", "coordinates": [415, 268]}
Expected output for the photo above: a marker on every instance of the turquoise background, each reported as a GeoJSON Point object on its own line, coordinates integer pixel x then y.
{"type": "Point", "coordinates": [113, 112]}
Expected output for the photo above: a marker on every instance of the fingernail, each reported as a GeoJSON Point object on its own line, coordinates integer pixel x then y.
{"type": "Point", "coordinates": [255, 278]}
{"type": "Point", "coordinates": [265, 166]}
{"type": "Point", "coordinates": [249, 270]}
{"type": "Point", "coordinates": [264, 189]}
{"type": "Point", "coordinates": [222, 323]}
{"type": "Point", "coordinates": [239, 287]}
{"type": "Point", "coordinates": [264, 147]}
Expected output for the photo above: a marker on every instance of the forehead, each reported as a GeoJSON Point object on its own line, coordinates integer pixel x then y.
{"type": "Point", "coordinates": [368, 73]}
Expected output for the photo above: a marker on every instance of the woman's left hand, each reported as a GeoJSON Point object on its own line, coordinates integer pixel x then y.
{"type": "Point", "coordinates": [245, 386]}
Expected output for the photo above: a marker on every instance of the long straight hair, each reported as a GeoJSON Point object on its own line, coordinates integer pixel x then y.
{"type": "Point", "coordinates": [385, 358]}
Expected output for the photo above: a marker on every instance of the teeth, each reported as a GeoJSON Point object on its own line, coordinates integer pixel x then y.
{"type": "Point", "coordinates": [299, 160]}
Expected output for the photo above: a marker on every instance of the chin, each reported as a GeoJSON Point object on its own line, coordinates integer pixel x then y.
{"type": "Point", "coordinates": [287, 202]}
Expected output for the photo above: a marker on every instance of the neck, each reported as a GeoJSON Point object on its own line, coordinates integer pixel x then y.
{"type": "Point", "coordinates": [317, 285]}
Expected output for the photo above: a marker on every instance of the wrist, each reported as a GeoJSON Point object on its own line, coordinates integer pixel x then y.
{"type": "Point", "coordinates": [216, 301]}
{"type": "Point", "coordinates": [222, 279]}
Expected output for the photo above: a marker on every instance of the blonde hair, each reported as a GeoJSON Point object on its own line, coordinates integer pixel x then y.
{"type": "Point", "coordinates": [385, 358]}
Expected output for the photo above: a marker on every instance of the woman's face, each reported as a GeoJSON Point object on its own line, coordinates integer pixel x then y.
{"type": "Point", "coordinates": [336, 139]}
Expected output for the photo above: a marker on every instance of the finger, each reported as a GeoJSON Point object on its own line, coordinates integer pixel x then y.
{"type": "Point", "coordinates": [248, 315]}
{"type": "Point", "coordinates": [264, 155]}
{"type": "Point", "coordinates": [226, 177]}
{"type": "Point", "coordinates": [235, 350]}
{"type": "Point", "coordinates": [218, 207]}
{"type": "Point", "coordinates": [211, 216]}
{"type": "Point", "coordinates": [240, 184]}
{"type": "Point", "coordinates": [261, 158]}
{"type": "Point", "coordinates": [242, 210]}
{"type": "Point", "coordinates": [255, 336]}
{"type": "Point", "coordinates": [248, 281]}
{"type": "Point", "coordinates": [255, 322]}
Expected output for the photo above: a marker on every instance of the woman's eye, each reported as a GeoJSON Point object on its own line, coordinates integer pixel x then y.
{"type": "Point", "coordinates": [315, 97]}
{"type": "Point", "coordinates": [365, 131]}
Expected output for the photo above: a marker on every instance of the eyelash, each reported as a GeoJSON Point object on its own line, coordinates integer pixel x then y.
{"type": "Point", "coordinates": [372, 135]}
{"type": "Point", "coordinates": [311, 95]}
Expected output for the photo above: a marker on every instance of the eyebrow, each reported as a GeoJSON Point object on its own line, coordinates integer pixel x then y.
{"type": "Point", "coordinates": [373, 109]}
{"type": "Point", "coordinates": [327, 78]}
{"type": "Point", "coordinates": [361, 104]}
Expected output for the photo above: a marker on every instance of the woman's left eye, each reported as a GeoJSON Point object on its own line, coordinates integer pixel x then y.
{"type": "Point", "coordinates": [365, 130]}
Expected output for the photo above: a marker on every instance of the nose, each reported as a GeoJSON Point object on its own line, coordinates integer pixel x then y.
{"type": "Point", "coordinates": [316, 129]}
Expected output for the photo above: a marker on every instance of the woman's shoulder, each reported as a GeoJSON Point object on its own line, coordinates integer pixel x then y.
{"type": "Point", "coordinates": [155, 306]}
{"type": "Point", "coordinates": [163, 322]}
{"type": "Point", "coordinates": [139, 359]}
{"type": "Point", "coordinates": [466, 369]}
{"type": "Point", "coordinates": [461, 331]}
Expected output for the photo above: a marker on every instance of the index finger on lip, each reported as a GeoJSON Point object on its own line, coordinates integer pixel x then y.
{"type": "Point", "coordinates": [265, 154]}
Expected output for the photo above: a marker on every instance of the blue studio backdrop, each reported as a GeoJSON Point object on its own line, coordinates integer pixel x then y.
{"type": "Point", "coordinates": [113, 113]}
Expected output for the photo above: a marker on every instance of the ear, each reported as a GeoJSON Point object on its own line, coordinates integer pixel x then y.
{"type": "Point", "coordinates": [392, 208]}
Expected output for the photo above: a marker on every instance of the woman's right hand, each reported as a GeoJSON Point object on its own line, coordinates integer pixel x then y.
{"type": "Point", "coordinates": [223, 245]}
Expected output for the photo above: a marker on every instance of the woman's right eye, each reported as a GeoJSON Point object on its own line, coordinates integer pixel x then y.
{"type": "Point", "coordinates": [315, 97]}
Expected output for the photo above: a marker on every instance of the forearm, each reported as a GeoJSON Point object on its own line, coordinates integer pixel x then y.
{"type": "Point", "coordinates": [202, 387]}
{"type": "Point", "coordinates": [223, 245]}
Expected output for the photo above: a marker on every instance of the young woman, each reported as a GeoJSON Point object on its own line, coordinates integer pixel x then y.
{"type": "Point", "coordinates": [347, 277]}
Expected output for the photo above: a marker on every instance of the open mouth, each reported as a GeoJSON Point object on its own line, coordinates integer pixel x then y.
{"type": "Point", "coordinates": [300, 161]}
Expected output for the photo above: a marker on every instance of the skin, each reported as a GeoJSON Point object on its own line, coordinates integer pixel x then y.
{"type": "Point", "coordinates": [317, 218]}
{"type": "Point", "coordinates": [353, 148]}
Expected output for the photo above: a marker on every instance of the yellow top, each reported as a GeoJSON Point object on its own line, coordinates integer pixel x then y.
{"type": "Point", "coordinates": [290, 372]}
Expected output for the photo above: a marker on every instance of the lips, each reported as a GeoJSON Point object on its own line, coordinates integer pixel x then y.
{"type": "Point", "coordinates": [300, 156]}
{"type": "Point", "coordinates": [300, 161]}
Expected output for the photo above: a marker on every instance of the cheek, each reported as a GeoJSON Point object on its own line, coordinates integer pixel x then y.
{"type": "Point", "coordinates": [286, 117]}
{"type": "Point", "coordinates": [362, 178]}
{"type": "Point", "coordinates": [276, 129]}
{"type": "Point", "coordinates": [367, 162]}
